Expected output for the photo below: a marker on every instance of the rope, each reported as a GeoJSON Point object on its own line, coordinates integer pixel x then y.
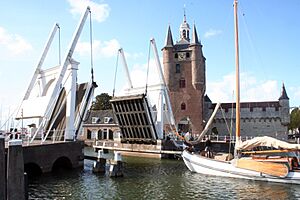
{"type": "Point", "coordinates": [116, 71]}
{"type": "Point", "coordinates": [91, 44]}
{"type": "Point", "coordinates": [148, 68]}
{"type": "Point", "coordinates": [229, 130]}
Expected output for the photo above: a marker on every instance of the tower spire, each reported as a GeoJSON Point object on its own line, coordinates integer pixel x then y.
{"type": "Point", "coordinates": [169, 39]}
{"type": "Point", "coordinates": [184, 15]}
{"type": "Point", "coordinates": [195, 36]}
{"type": "Point", "coordinates": [283, 93]}
{"type": "Point", "coordinates": [184, 28]}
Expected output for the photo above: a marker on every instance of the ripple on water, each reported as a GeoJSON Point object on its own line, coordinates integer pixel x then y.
{"type": "Point", "coordinates": [152, 179]}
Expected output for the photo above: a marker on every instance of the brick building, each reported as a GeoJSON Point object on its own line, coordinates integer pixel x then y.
{"type": "Point", "coordinates": [184, 71]}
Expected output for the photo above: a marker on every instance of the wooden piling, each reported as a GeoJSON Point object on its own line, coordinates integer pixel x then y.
{"type": "Point", "coordinates": [15, 171]}
{"type": "Point", "coordinates": [116, 166]}
{"type": "Point", "coordinates": [2, 169]}
{"type": "Point", "coordinates": [100, 164]}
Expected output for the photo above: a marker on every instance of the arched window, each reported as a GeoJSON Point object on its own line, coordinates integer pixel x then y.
{"type": "Point", "coordinates": [183, 106]}
{"type": "Point", "coordinates": [184, 33]}
{"type": "Point", "coordinates": [187, 54]}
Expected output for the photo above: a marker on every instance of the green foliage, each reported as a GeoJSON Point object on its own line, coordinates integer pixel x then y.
{"type": "Point", "coordinates": [102, 102]}
{"type": "Point", "coordinates": [295, 119]}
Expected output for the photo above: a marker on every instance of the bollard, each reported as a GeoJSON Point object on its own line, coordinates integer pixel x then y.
{"type": "Point", "coordinates": [100, 164]}
{"type": "Point", "coordinates": [2, 169]}
{"type": "Point", "coordinates": [26, 186]}
{"type": "Point", "coordinates": [15, 171]}
{"type": "Point", "coordinates": [116, 167]}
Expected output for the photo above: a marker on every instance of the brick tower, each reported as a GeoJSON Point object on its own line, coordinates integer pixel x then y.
{"type": "Point", "coordinates": [184, 71]}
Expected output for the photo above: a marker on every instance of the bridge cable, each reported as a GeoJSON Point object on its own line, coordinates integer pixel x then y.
{"type": "Point", "coordinates": [91, 44]}
{"type": "Point", "coordinates": [116, 71]}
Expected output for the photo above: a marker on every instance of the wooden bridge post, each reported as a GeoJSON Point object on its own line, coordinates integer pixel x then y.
{"type": "Point", "coordinates": [2, 169]}
{"type": "Point", "coordinates": [116, 166]}
{"type": "Point", "coordinates": [15, 171]}
{"type": "Point", "coordinates": [100, 164]}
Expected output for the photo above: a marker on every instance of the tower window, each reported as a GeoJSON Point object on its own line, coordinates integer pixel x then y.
{"type": "Point", "coordinates": [177, 68]}
{"type": "Point", "coordinates": [183, 106]}
{"type": "Point", "coordinates": [176, 55]}
{"type": "Point", "coordinates": [184, 33]}
{"type": "Point", "coordinates": [181, 83]}
{"type": "Point", "coordinates": [188, 33]}
{"type": "Point", "coordinates": [187, 54]}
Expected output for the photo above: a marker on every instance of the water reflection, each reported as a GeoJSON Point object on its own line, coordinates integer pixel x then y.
{"type": "Point", "coordinates": [153, 179]}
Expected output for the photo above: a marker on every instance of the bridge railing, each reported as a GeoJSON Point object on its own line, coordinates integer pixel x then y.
{"type": "Point", "coordinates": [57, 136]}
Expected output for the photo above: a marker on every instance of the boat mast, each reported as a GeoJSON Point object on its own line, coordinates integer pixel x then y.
{"type": "Point", "coordinates": [237, 75]}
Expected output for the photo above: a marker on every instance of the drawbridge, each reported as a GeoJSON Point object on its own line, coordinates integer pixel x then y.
{"type": "Point", "coordinates": [139, 121]}
{"type": "Point", "coordinates": [134, 118]}
{"type": "Point", "coordinates": [54, 97]}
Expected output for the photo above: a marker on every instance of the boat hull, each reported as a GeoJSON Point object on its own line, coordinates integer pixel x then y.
{"type": "Point", "coordinates": [204, 165]}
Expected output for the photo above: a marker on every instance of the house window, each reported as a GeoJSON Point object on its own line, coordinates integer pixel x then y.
{"type": "Point", "coordinates": [181, 83]}
{"type": "Point", "coordinates": [183, 106]}
{"type": "Point", "coordinates": [187, 54]}
{"type": "Point", "coordinates": [95, 120]}
{"type": "Point", "coordinates": [177, 68]}
{"type": "Point", "coordinates": [107, 120]}
{"type": "Point", "coordinates": [264, 109]}
{"type": "Point", "coordinates": [176, 55]}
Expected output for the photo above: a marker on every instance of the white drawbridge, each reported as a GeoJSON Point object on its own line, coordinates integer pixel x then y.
{"type": "Point", "coordinates": [138, 120]}
{"type": "Point", "coordinates": [54, 97]}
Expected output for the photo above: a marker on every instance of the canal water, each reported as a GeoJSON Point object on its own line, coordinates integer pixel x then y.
{"type": "Point", "coordinates": [146, 178]}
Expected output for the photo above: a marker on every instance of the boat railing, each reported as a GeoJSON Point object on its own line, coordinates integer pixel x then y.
{"type": "Point", "coordinates": [224, 138]}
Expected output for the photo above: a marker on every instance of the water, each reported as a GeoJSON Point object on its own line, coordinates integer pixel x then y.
{"type": "Point", "coordinates": [146, 178]}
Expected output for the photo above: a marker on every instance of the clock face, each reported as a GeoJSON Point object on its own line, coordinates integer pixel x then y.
{"type": "Point", "coordinates": [181, 56]}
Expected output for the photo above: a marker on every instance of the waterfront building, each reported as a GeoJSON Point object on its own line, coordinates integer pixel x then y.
{"type": "Point", "coordinates": [184, 71]}
{"type": "Point", "coordinates": [100, 125]}
{"type": "Point", "coordinates": [268, 118]}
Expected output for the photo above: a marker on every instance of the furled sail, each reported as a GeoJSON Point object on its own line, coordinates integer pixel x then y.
{"type": "Point", "coordinates": [267, 142]}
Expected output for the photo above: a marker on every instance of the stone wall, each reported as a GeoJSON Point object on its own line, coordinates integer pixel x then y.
{"type": "Point", "coordinates": [255, 121]}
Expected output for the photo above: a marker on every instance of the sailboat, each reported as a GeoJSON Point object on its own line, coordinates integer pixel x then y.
{"type": "Point", "coordinates": [280, 164]}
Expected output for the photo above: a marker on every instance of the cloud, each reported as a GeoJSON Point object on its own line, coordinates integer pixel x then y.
{"type": "Point", "coordinates": [13, 44]}
{"type": "Point", "coordinates": [251, 89]}
{"type": "Point", "coordinates": [211, 33]}
{"type": "Point", "coordinates": [100, 48]}
{"type": "Point", "coordinates": [99, 11]}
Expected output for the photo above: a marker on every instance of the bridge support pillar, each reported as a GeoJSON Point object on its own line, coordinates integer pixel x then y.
{"type": "Point", "coordinates": [2, 169]}
{"type": "Point", "coordinates": [100, 164]}
{"type": "Point", "coordinates": [15, 171]}
{"type": "Point", "coordinates": [116, 167]}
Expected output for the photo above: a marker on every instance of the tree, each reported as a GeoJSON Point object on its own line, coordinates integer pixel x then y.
{"type": "Point", "coordinates": [102, 102]}
{"type": "Point", "coordinates": [295, 119]}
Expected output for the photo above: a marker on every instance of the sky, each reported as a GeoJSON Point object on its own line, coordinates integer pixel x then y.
{"type": "Point", "coordinates": [269, 43]}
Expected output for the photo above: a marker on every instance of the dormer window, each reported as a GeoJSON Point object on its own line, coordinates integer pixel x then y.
{"type": "Point", "coordinates": [107, 120]}
{"type": "Point", "coordinates": [95, 120]}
